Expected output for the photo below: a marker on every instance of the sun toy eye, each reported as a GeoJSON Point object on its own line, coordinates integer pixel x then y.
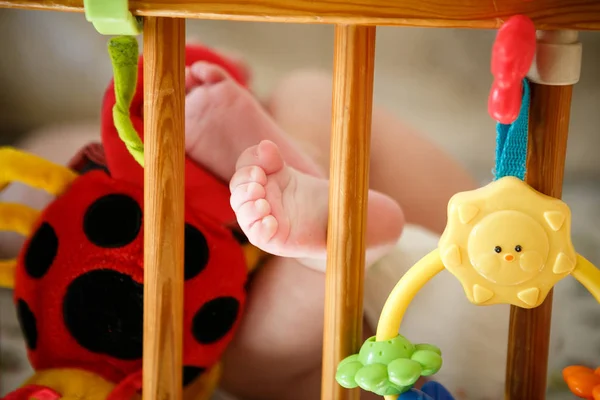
{"type": "Point", "coordinates": [518, 248]}
{"type": "Point", "coordinates": [498, 249]}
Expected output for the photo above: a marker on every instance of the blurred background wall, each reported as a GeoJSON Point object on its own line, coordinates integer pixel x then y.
{"type": "Point", "coordinates": [54, 68]}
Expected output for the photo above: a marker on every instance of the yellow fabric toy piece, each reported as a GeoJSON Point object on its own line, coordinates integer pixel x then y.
{"type": "Point", "coordinates": [17, 166]}
{"type": "Point", "coordinates": [254, 257]}
{"type": "Point", "coordinates": [15, 218]}
{"type": "Point", "coordinates": [34, 171]}
{"type": "Point", "coordinates": [204, 387]}
{"type": "Point", "coordinates": [506, 243]}
{"type": "Point", "coordinates": [73, 384]}
{"type": "Point", "coordinates": [77, 384]}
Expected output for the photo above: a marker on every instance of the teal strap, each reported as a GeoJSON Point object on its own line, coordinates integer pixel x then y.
{"type": "Point", "coordinates": [511, 142]}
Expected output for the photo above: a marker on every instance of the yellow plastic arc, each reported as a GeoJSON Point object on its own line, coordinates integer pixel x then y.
{"type": "Point", "coordinates": [588, 275]}
{"type": "Point", "coordinates": [404, 292]}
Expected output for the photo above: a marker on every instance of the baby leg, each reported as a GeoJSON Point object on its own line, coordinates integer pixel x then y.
{"type": "Point", "coordinates": [233, 56]}
{"type": "Point", "coordinates": [276, 354]}
{"type": "Point", "coordinates": [222, 119]}
{"type": "Point", "coordinates": [404, 164]}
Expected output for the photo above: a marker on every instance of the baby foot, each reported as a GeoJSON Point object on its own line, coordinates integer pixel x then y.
{"type": "Point", "coordinates": [232, 56]}
{"type": "Point", "coordinates": [284, 212]}
{"type": "Point", "coordinates": [222, 119]}
{"type": "Point", "coordinates": [208, 74]}
{"type": "Point", "coordinates": [268, 198]}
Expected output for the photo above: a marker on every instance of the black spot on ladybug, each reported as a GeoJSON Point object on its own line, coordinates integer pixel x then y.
{"type": "Point", "coordinates": [103, 311]}
{"type": "Point", "coordinates": [190, 374]}
{"type": "Point", "coordinates": [41, 252]}
{"type": "Point", "coordinates": [28, 324]}
{"type": "Point", "coordinates": [196, 252]}
{"type": "Point", "coordinates": [112, 221]}
{"type": "Point", "coordinates": [214, 319]}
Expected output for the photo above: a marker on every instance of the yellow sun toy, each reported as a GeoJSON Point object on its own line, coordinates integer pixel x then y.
{"type": "Point", "coordinates": [508, 244]}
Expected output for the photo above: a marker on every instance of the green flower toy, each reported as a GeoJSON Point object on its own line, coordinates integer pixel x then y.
{"type": "Point", "coordinates": [388, 367]}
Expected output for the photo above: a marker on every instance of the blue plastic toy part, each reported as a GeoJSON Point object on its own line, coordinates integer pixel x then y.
{"type": "Point", "coordinates": [437, 391]}
{"type": "Point", "coordinates": [430, 391]}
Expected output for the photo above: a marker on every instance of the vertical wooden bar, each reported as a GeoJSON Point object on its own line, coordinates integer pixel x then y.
{"type": "Point", "coordinates": [354, 65]}
{"type": "Point", "coordinates": [529, 332]}
{"type": "Point", "coordinates": [164, 96]}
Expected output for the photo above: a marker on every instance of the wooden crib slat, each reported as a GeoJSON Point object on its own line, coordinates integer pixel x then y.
{"type": "Point", "coordinates": [529, 331]}
{"type": "Point", "coordinates": [354, 63]}
{"type": "Point", "coordinates": [164, 95]}
{"type": "Point", "coordinates": [487, 14]}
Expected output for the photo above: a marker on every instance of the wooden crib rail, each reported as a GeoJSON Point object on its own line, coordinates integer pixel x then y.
{"type": "Point", "coordinates": [164, 96]}
{"type": "Point", "coordinates": [354, 69]}
{"type": "Point", "coordinates": [486, 14]}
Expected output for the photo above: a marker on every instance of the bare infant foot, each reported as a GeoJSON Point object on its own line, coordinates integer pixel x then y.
{"type": "Point", "coordinates": [222, 119]}
{"type": "Point", "coordinates": [232, 56]}
{"type": "Point", "coordinates": [284, 212]}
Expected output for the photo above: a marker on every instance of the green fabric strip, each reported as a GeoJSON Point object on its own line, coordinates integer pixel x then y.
{"type": "Point", "coordinates": [124, 55]}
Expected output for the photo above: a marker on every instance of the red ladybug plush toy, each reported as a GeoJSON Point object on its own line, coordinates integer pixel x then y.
{"type": "Point", "coordinates": [79, 277]}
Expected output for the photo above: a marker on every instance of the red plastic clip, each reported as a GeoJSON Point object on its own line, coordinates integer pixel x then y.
{"type": "Point", "coordinates": [512, 56]}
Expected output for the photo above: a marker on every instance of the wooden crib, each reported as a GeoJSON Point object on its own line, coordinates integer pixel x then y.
{"type": "Point", "coordinates": [355, 27]}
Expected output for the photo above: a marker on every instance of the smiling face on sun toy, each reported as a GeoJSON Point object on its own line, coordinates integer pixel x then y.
{"type": "Point", "coordinates": [507, 243]}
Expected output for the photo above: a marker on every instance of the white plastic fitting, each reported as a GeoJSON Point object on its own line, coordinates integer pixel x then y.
{"type": "Point", "coordinates": [557, 60]}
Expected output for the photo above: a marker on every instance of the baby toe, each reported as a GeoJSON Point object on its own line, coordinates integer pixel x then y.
{"type": "Point", "coordinates": [262, 231]}
{"type": "Point", "coordinates": [208, 73]}
{"type": "Point", "coordinates": [246, 192]}
{"type": "Point", "coordinates": [247, 158]}
{"type": "Point", "coordinates": [246, 175]}
{"type": "Point", "coordinates": [269, 157]}
{"type": "Point", "coordinates": [252, 211]}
